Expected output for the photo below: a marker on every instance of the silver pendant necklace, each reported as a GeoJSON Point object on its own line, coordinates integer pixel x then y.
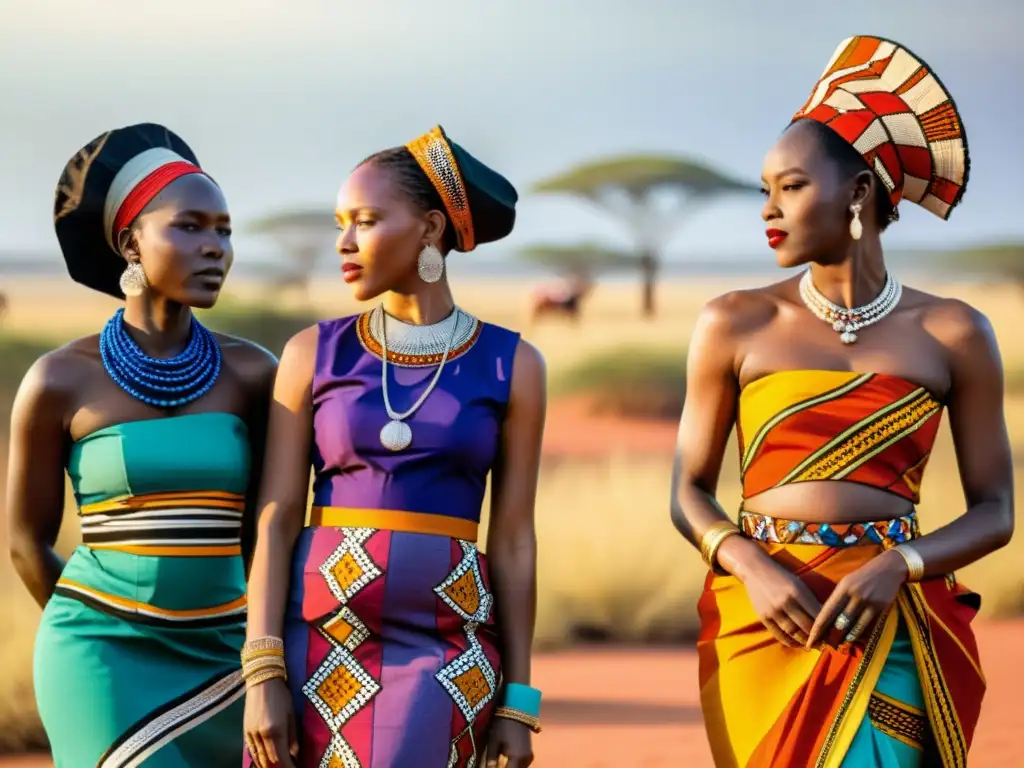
{"type": "Point", "coordinates": [846, 322]}
{"type": "Point", "coordinates": [396, 435]}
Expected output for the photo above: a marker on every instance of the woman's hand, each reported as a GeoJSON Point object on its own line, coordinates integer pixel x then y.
{"type": "Point", "coordinates": [509, 745]}
{"type": "Point", "coordinates": [861, 598]}
{"type": "Point", "coordinates": [270, 732]}
{"type": "Point", "coordinates": [785, 605]}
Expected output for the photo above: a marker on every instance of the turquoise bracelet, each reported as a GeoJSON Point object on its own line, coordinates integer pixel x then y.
{"type": "Point", "coordinates": [522, 698]}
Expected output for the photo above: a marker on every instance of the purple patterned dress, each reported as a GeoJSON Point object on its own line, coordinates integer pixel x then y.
{"type": "Point", "coordinates": [390, 639]}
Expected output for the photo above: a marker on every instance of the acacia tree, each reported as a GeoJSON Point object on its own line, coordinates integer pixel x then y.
{"type": "Point", "coordinates": [651, 195]}
{"type": "Point", "coordinates": [304, 235]}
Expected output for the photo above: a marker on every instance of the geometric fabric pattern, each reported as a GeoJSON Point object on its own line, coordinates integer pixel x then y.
{"type": "Point", "coordinates": [463, 591]}
{"type": "Point", "coordinates": [469, 678]}
{"type": "Point", "coordinates": [340, 687]}
{"type": "Point", "coordinates": [897, 114]}
{"type": "Point", "coordinates": [775, 530]}
{"type": "Point", "coordinates": [349, 568]}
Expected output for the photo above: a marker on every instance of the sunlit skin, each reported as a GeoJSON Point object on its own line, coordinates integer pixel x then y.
{"type": "Point", "coordinates": [380, 237]}
{"type": "Point", "coordinates": [182, 239]}
{"type": "Point", "coordinates": [381, 234]}
{"type": "Point", "coordinates": [806, 198]}
{"type": "Point", "coordinates": [942, 344]}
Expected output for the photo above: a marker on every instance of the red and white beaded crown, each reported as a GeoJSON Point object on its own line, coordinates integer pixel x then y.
{"type": "Point", "coordinates": [897, 114]}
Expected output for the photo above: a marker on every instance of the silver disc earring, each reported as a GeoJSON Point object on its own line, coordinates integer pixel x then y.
{"type": "Point", "coordinates": [430, 264]}
{"type": "Point", "coordinates": [133, 279]}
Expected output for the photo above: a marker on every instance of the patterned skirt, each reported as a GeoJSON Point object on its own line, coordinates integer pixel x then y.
{"type": "Point", "coordinates": [391, 649]}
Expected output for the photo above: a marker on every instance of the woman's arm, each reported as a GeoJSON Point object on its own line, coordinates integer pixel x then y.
{"type": "Point", "coordinates": [984, 456]}
{"type": "Point", "coordinates": [709, 413]}
{"type": "Point", "coordinates": [284, 486]}
{"type": "Point", "coordinates": [784, 604]}
{"type": "Point", "coordinates": [512, 539]}
{"type": "Point", "coordinates": [35, 474]}
{"type": "Point", "coordinates": [258, 370]}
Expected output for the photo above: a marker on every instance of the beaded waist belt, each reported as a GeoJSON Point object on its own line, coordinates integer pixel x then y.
{"type": "Point", "coordinates": [775, 530]}
{"type": "Point", "coordinates": [181, 524]}
{"type": "Point", "coordinates": [394, 520]}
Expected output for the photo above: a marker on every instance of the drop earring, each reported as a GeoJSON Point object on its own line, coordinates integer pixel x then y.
{"type": "Point", "coordinates": [856, 228]}
{"type": "Point", "coordinates": [430, 264]}
{"type": "Point", "coordinates": [133, 279]}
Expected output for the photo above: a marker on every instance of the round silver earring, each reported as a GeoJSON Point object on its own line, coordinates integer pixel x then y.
{"type": "Point", "coordinates": [430, 264]}
{"type": "Point", "coordinates": [133, 279]}
{"type": "Point", "coordinates": [856, 228]}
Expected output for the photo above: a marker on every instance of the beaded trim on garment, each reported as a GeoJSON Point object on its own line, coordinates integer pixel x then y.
{"type": "Point", "coordinates": [417, 350]}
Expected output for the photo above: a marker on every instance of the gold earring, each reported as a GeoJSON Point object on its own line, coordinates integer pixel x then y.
{"type": "Point", "coordinates": [856, 228]}
{"type": "Point", "coordinates": [133, 280]}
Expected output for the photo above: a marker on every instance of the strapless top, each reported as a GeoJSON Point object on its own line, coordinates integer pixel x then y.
{"type": "Point", "coordinates": [805, 425]}
{"type": "Point", "coordinates": [164, 486]}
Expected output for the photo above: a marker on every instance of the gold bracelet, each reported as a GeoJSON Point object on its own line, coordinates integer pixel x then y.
{"type": "Point", "coordinates": [264, 676]}
{"type": "Point", "coordinates": [265, 643]}
{"type": "Point", "coordinates": [270, 652]}
{"type": "Point", "coordinates": [915, 564]}
{"type": "Point", "coordinates": [712, 540]}
{"type": "Point", "coordinates": [529, 721]}
{"type": "Point", "coordinates": [252, 667]}
{"type": "Point", "coordinates": [262, 646]}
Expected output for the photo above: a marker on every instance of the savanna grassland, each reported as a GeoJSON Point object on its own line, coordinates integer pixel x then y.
{"type": "Point", "coordinates": [611, 565]}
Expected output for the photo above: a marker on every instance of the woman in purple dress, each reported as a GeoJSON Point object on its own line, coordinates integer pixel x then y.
{"type": "Point", "coordinates": [390, 641]}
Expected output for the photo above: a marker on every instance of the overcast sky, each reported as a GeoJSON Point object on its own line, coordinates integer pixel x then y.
{"type": "Point", "coordinates": [280, 104]}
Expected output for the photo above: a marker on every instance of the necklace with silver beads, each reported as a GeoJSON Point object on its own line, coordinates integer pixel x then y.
{"type": "Point", "coordinates": [846, 322]}
{"type": "Point", "coordinates": [396, 435]}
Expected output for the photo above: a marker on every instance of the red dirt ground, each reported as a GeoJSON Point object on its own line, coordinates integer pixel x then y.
{"type": "Point", "coordinates": [639, 709]}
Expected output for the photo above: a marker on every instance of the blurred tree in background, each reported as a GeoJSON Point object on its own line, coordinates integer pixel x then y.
{"type": "Point", "coordinates": [651, 195]}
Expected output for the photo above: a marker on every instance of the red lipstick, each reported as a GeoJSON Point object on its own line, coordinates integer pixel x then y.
{"type": "Point", "coordinates": [350, 271]}
{"type": "Point", "coordinates": [775, 237]}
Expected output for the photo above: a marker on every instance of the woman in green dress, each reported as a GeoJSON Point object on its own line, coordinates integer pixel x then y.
{"type": "Point", "coordinates": [159, 424]}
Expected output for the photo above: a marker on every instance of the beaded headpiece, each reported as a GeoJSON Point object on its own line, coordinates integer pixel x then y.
{"type": "Point", "coordinates": [896, 113]}
{"type": "Point", "coordinates": [434, 155]}
{"type": "Point", "coordinates": [104, 187]}
{"type": "Point", "coordinates": [479, 201]}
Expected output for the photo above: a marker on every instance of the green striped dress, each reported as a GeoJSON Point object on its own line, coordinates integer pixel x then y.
{"type": "Point", "coordinates": [137, 655]}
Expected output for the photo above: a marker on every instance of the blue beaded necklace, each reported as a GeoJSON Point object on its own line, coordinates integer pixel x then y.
{"type": "Point", "coordinates": [162, 382]}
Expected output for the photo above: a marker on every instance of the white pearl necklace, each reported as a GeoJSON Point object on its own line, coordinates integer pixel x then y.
{"type": "Point", "coordinates": [396, 435]}
{"type": "Point", "coordinates": [846, 322]}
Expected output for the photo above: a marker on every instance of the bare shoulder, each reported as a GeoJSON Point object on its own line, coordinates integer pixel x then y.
{"type": "Point", "coordinates": [54, 380]}
{"type": "Point", "coordinates": [529, 368]}
{"type": "Point", "coordinates": [301, 347]}
{"type": "Point", "coordinates": [736, 314]}
{"type": "Point", "coordinates": [952, 322]}
{"type": "Point", "coordinates": [253, 363]}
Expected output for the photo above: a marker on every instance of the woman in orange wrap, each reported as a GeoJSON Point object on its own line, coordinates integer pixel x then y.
{"type": "Point", "coordinates": [833, 633]}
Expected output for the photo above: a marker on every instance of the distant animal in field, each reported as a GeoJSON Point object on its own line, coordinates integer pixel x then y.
{"type": "Point", "coordinates": [564, 299]}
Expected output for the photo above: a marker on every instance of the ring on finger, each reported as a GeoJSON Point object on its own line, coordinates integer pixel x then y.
{"type": "Point", "coordinates": [842, 622]}
{"type": "Point", "coordinates": [857, 630]}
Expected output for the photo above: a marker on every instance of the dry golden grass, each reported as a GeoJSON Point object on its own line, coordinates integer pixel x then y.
{"type": "Point", "coordinates": [610, 562]}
